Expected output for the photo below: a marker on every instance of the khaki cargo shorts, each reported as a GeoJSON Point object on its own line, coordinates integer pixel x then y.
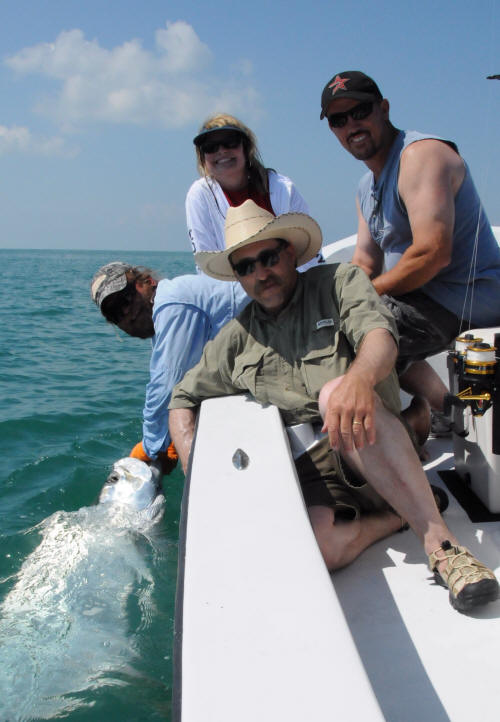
{"type": "Point", "coordinates": [326, 480]}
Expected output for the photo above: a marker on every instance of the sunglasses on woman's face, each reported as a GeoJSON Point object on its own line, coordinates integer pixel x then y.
{"type": "Point", "coordinates": [268, 258]}
{"type": "Point", "coordinates": [230, 142]}
{"type": "Point", "coordinates": [359, 112]}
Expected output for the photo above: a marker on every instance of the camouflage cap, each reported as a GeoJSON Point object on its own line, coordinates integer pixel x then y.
{"type": "Point", "coordinates": [111, 278]}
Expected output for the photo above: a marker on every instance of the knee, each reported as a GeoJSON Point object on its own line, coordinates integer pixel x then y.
{"type": "Point", "coordinates": [325, 392]}
{"type": "Point", "coordinates": [333, 558]}
{"type": "Point", "coordinates": [334, 542]}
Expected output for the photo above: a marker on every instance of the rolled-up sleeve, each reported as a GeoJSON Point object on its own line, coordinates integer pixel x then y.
{"type": "Point", "coordinates": [360, 307]}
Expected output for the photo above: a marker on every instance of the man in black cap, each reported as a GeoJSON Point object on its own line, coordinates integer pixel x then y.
{"type": "Point", "coordinates": [422, 231]}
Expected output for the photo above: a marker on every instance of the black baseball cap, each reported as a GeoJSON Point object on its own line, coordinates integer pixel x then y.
{"type": "Point", "coordinates": [349, 84]}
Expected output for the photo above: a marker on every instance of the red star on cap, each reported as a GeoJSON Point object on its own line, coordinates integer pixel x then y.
{"type": "Point", "coordinates": [338, 84]}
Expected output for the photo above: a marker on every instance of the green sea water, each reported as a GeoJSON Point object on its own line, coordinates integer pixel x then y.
{"type": "Point", "coordinates": [71, 404]}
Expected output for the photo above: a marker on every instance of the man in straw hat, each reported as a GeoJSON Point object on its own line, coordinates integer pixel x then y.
{"type": "Point", "coordinates": [321, 346]}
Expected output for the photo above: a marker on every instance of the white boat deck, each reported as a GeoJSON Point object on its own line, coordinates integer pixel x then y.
{"type": "Point", "coordinates": [424, 660]}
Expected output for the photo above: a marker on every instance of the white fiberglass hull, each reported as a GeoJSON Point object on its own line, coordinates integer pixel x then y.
{"type": "Point", "coordinates": [260, 634]}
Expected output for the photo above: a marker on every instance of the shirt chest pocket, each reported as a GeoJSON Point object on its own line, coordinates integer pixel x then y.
{"type": "Point", "coordinates": [246, 370]}
{"type": "Point", "coordinates": [319, 366]}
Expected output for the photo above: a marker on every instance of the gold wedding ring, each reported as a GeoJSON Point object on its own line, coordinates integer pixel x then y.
{"type": "Point", "coordinates": [357, 423]}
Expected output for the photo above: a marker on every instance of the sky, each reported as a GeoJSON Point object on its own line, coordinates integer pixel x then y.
{"type": "Point", "coordinates": [100, 101]}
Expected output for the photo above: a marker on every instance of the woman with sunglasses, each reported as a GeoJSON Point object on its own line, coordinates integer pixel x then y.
{"type": "Point", "coordinates": [232, 172]}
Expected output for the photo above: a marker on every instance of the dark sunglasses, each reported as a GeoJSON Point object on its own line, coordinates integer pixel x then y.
{"type": "Point", "coordinates": [230, 143]}
{"type": "Point", "coordinates": [359, 112]}
{"type": "Point", "coordinates": [268, 258]}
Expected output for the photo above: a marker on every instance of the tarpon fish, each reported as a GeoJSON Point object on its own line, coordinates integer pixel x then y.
{"type": "Point", "coordinates": [66, 625]}
{"type": "Point", "coordinates": [135, 486]}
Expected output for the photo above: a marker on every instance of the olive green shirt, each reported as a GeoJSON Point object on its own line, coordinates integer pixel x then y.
{"type": "Point", "coordinates": [285, 360]}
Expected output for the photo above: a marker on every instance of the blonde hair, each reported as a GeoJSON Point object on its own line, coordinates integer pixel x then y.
{"type": "Point", "coordinates": [257, 173]}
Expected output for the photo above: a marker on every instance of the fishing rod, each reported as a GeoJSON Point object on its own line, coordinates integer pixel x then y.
{"type": "Point", "coordinates": [474, 368]}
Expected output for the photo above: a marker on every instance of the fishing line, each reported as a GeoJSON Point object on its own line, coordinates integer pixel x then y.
{"type": "Point", "coordinates": [485, 174]}
{"type": "Point", "coordinates": [471, 278]}
{"type": "Point", "coordinates": [116, 332]}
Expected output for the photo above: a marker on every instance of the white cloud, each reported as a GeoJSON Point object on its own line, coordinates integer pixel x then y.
{"type": "Point", "coordinates": [167, 87]}
{"type": "Point", "coordinates": [19, 139]}
{"type": "Point", "coordinates": [183, 49]}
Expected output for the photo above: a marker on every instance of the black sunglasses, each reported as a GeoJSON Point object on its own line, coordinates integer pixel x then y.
{"type": "Point", "coordinates": [359, 112]}
{"type": "Point", "coordinates": [231, 142]}
{"type": "Point", "coordinates": [268, 258]}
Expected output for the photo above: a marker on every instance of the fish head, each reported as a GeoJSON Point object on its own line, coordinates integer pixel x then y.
{"type": "Point", "coordinates": [132, 483]}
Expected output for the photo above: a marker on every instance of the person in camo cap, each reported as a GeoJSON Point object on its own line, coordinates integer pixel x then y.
{"type": "Point", "coordinates": [179, 315]}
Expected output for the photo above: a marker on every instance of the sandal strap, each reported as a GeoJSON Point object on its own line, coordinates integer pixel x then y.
{"type": "Point", "coordinates": [461, 568]}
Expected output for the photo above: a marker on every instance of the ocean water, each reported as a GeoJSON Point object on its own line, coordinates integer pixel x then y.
{"type": "Point", "coordinates": [86, 609]}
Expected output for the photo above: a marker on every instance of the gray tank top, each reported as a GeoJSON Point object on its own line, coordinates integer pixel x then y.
{"type": "Point", "coordinates": [387, 219]}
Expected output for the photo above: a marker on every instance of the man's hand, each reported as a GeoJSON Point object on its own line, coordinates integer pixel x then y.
{"type": "Point", "coordinates": [347, 403]}
{"type": "Point", "coordinates": [349, 412]}
{"type": "Point", "coordinates": [139, 453]}
{"type": "Point", "coordinates": [168, 458]}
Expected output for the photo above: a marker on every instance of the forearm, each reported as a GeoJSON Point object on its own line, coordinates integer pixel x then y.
{"type": "Point", "coordinates": [181, 331]}
{"type": "Point", "coordinates": [182, 424]}
{"type": "Point", "coordinates": [155, 436]}
{"type": "Point", "coordinates": [369, 263]}
{"type": "Point", "coordinates": [413, 270]}
{"type": "Point", "coordinates": [375, 358]}
{"type": "Point", "coordinates": [367, 254]}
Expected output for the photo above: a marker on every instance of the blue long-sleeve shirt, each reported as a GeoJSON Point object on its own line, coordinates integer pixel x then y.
{"type": "Point", "coordinates": [188, 311]}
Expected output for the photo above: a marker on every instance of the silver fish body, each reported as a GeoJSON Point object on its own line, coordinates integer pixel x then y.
{"type": "Point", "coordinates": [66, 625]}
{"type": "Point", "coordinates": [135, 485]}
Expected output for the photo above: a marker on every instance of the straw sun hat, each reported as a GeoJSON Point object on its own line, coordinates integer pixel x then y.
{"type": "Point", "coordinates": [249, 223]}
